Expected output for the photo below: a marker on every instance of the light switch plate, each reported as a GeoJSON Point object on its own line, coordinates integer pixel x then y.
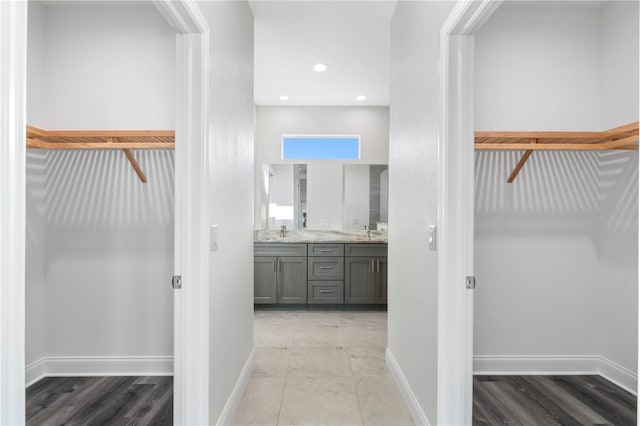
{"type": "Point", "coordinates": [431, 237]}
{"type": "Point", "coordinates": [214, 238]}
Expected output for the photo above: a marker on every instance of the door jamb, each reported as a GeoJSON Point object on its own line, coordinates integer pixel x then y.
{"type": "Point", "coordinates": [191, 254]}
{"type": "Point", "coordinates": [456, 211]}
{"type": "Point", "coordinates": [13, 76]}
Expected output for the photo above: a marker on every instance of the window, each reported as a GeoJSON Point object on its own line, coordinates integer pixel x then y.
{"type": "Point", "coordinates": [323, 147]}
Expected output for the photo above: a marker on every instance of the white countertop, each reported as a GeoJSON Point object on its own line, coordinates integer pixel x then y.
{"type": "Point", "coordinates": [318, 236]}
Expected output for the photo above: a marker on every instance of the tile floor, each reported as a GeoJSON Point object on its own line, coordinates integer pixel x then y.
{"type": "Point", "coordinates": [321, 368]}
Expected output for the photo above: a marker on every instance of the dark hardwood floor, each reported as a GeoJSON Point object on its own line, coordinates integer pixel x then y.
{"type": "Point", "coordinates": [497, 400]}
{"type": "Point", "coordinates": [551, 400]}
{"type": "Point", "coordinates": [100, 401]}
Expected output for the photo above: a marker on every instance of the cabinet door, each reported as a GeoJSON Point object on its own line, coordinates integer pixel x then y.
{"type": "Point", "coordinates": [359, 280]}
{"type": "Point", "coordinates": [381, 280]}
{"type": "Point", "coordinates": [292, 280]}
{"type": "Point", "coordinates": [264, 279]}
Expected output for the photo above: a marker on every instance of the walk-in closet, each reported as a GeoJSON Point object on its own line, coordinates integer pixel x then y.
{"type": "Point", "coordinates": [556, 213]}
{"type": "Point", "coordinates": [100, 213]}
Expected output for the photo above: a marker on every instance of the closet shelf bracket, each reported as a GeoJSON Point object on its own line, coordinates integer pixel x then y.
{"type": "Point", "coordinates": [135, 165]}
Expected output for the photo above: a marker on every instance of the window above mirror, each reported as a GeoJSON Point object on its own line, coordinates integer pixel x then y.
{"type": "Point", "coordinates": [320, 147]}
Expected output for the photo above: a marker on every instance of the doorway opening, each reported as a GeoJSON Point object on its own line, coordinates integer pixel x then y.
{"type": "Point", "coordinates": [529, 351]}
{"type": "Point", "coordinates": [321, 215]}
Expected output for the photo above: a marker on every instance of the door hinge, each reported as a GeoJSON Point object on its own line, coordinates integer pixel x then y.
{"type": "Point", "coordinates": [471, 282]}
{"type": "Point", "coordinates": [176, 282]}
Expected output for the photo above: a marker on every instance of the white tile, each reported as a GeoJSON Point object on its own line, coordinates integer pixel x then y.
{"type": "Point", "coordinates": [278, 335]}
{"type": "Point", "coordinates": [260, 404]}
{"type": "Point", "coordinates": [315, 336]}
{"type": "Point", "coordinates": [271, 361]}
{"type": "Point", "coordinates": [368, 361]}
{"type": "Point", "coordinates": [318, 362]}
{"type": "Point", "coordinates": [381, 402]}
{"type": "Point", "coordinates": [328, 401]}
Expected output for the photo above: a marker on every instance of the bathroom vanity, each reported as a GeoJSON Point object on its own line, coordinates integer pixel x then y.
{"type": "Point", "coordinates": [315, 267]}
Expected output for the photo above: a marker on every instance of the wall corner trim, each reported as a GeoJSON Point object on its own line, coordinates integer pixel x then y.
{"type": "Point", "coordinates": [229, 410]}
{"type": "Point", "coordinates": [419, 416]}
{"type": "Point", "coordinates": [545, 365]}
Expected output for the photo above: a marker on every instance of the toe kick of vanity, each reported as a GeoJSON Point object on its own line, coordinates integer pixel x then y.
{"type": "Point", "coordinates": [320, 273]}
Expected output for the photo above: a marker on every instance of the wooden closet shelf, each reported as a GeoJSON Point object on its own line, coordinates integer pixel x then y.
{"type": "Point", "coordinates": [126, 140]}
{"type": "Point", "coordinates": [623, 137]}
{"type": "Point", "coordinates": [100, 139]}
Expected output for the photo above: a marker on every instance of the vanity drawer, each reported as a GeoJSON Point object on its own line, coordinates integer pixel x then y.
{"type": "Point", "coordinates": [279, 249]}
{"type": "Point", "coordinates": [326, 268]}
{"type": "Point", "coordinates": [365, 249]}
{"type": "Point", "coordinates": [326, 292]}
{"type": "Point", "coordinates": [326, 249]}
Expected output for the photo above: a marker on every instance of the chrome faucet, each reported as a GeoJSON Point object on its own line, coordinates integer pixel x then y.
{"type": "Point", "coordinates": [368, 231]}
{"type": "Point", "coordinates": [283, 231]}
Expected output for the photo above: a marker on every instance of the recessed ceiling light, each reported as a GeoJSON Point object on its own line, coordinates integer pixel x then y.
{"type": "Point", "coordinates": [361, 98]}
{"type": "Point", "coordinates": [284, 98]}
{"type": "Point", "coordinates": [320, 67]}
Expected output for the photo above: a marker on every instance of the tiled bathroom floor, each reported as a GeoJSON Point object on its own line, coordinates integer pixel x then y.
{"type": "Point", "coordinates": [321, 368]}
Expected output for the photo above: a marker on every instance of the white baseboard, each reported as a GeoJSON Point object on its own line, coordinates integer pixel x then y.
{"type": "Point", "coordinates": [419, 417]}
{"type": "Point", "coordinates": [99, 366]}
{"type": "Point", "coordinates": [556, 365]}
{"type": "Point", "coordinates": [229, 410]}
{"type": "Point", "coordinates": [35, 371]}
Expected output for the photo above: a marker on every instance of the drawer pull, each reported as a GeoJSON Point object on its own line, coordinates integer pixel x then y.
{"type": "Point", "coordinates": [326, 291]}
{"type": "Point", "coordinates": [326, 251]}
{"type": "Point", "coordinates": [327, 267]}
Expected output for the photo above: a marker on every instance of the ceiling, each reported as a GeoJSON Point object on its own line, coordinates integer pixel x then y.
{"type": "Point", "coordinates": [351, 37]}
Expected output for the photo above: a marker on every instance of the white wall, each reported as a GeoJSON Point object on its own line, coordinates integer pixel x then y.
{"type": "Point", "coordinates": [617, 291]}
{"type": "Point", "coordinates": [538, 69]}
{"type": "Point", "coordinates": [324, 178]}
{"type": "Point", "coordinates": [231, 149]}
{"type": "Point", "coordinates": [35, 193]}
{"type": "Point", "coordinates": [413, 168]}
{"type": "Point", "coordinates": [105, 61]}
{"type": "Point", "coordinates": [107, 237]}
{"type": "Point", "coordinates": [544, 287]}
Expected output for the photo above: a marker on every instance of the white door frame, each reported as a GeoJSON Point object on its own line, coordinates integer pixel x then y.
{"type": "Point", "coordinates": [191, 254]}
{"type": "Point", "coordinates": [456, 211]}
{"type": "Point", "coordinates": [191, 305]}
{"type": "Point", "coordinates": [13, 75]}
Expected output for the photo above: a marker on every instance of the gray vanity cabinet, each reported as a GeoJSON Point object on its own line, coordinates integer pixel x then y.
{"type": "Point", "coordinates": [264, 279]}
{"type": "Point", "coordinates": [317, 273]}
{"type": "Point", "coordinates": [280, 273]}
{"type": "Point", "coordinates": [365, 274]}
{"type": "Point", "coordinates": [380, 286]}
{"type": "Point", "coordinates": [359, 280]}
{"type": "Point", "coordinates": [326, 273]}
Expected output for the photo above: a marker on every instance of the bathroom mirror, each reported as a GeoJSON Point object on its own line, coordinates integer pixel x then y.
{"type": "Point", "coordinates": [366, 196]}
{"type": "Point", "coordinates": [286, 187]}
{"type": "Point", "coordinates": [322, 195]}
